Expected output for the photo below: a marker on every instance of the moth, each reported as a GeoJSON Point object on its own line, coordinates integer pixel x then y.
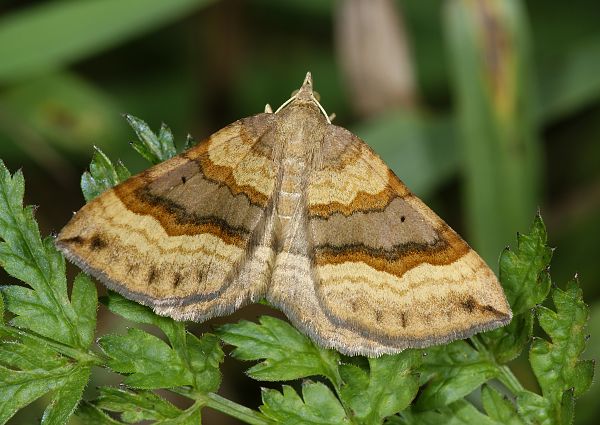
{"type": "Point", "coordinates": [288, 207]}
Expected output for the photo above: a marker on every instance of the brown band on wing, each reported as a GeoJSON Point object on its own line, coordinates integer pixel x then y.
{"type": "Point", "coordinates": [155, 191]}
{"type": "Point", "coordinates": [363, 202]}
{"type": "Point", "coordinates": [223, 175]}
{"type": "Point", "coordinates": [174, 218]}
{"type": "Point", "coordinates": [446, 249]}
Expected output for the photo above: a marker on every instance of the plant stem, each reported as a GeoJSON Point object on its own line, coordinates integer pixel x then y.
{"type": "Point", "coordinates": [221, 404]}
{"type": "Point", "coordinates": [81, 356]}
{"type": "Point", "coordinates": [505, 374]}
{"type": "Point", "coordinates": [480, 346]}
{"type": "Point", "coordinates": [238, 411]}
{"type": "Point", "coordinates": [510, 380]}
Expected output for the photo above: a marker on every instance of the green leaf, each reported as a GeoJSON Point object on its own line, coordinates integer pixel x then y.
{"type": "Point", "coordinates": [201, 356]}
{"type": "Point", "coordinates": [535, 409]}
{"type": "Point", "coordinates": [522, 271]}
{"type": "Point", "coordinates": [507, 343]}
{"type": "Point", "coordinates": [320, 406]}
{"type": "Point", "coordinates": [561, 374]}
{"type": "Point", "coordinates": [45, 308]}
{"type": "Point", "coordinates": [138, 313]}
{"type": "Point", "coordinates": [135, 406]}
{"type": "Point", "coordinates": [498, 407]}
{"type": "Point", "coordinates": [54, 34]}
{"type": "Point", "coordinates": [166, 141]}
{"type": "Point", "coordinates": [18, 388]}
{"type": "Point", "coordinates": [91, 415]}
{"type": "Point", "coordinates": [204, 356]}
{"type": "Point", "coordinates": [84, 299]}
{"type": "Point", "coordinates": [190, 142]}
{"type": "Point", "coordinates": [538, 410]}
{"type": "Point", "coordinates": [35, 314]}
{"type": "Point", "coordinates": [26, 257]}
{"type": "Point", "coordinates": [460, 412]}
{"type": "Point", "coordinates": [556, 364]}
{"type": "Point", "coordinates": [29, 368]}
{"type": "Point", "coordinates": [388, 387]}
{"type": "Point", "coordinates": [28, 355]}
{"type": "Point", "coordinates": [103, 175]}
{"type": "Point", "coordinates": [587, 405]}
{"type": "Point", "coordinates": [567, 407]}
{"type": "Point", "coordinates": [191, 416]}
{"type": "Point", "coordinates": [526, 281]}
{"type": "Point", "coordinates": [65, 398]}
{"type": "Point", "coordinates": [150, 361]}
{"type": "Point", "coordinates": [452, 371]}
{"type": "Point", "coordinates": [286, 352]}
{"type": "Point", "coordinates": [153, 148]}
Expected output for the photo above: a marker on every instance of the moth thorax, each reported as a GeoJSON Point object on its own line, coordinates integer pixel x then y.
{"type": "Point", "coordinates": [293, 178]}
{"type": "Point", "coordinates": [294, 169]}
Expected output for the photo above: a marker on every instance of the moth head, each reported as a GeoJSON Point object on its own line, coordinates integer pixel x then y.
{"type": "Point", "coordinates": [305, 94]}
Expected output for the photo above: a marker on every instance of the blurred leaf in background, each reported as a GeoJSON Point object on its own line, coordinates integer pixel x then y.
{"type": "Point", "coordinates": [490, 55]}
{"type": "Point", "coordinates": [382, 78]}
{"type": "Point", "coordinates": [54, 34]}
{"type": "Point", "coordinates": [54, 115]}
{"type": "Point", "coordinates": [45, 111]}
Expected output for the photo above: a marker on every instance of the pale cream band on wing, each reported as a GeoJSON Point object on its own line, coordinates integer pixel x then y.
{"type": "Point", "coordinates": [300, 302]}
{"type": "Point", "coordinates": [380, 298]}
{"type": "Point", "coordinates": [328, 186]}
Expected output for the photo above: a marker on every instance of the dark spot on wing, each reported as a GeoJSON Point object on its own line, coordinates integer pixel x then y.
{"type": "Point", "coordinates": [97, 243]}
{"type": "Point", "coordinates": [491, 309]}
{"type": "Point", "coordinates": [469, 304]}
{"type": "Point", "coordinates": [132, 268]}
{"type": "Point", "coordinates": [153, 275]}
{"type": "Point", "coordinates": [76, 240]}
{"type": "Point", "coordinates": [176, 279]}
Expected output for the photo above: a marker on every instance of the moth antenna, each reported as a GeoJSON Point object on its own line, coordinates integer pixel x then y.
{"type": "Point", "coordinates": [332, 117]}
{"type": "Point", "coordinates": [268, 109]}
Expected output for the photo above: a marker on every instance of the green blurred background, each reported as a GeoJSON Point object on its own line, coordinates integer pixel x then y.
{"type": "Point", "coordinates": [486, 109]}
